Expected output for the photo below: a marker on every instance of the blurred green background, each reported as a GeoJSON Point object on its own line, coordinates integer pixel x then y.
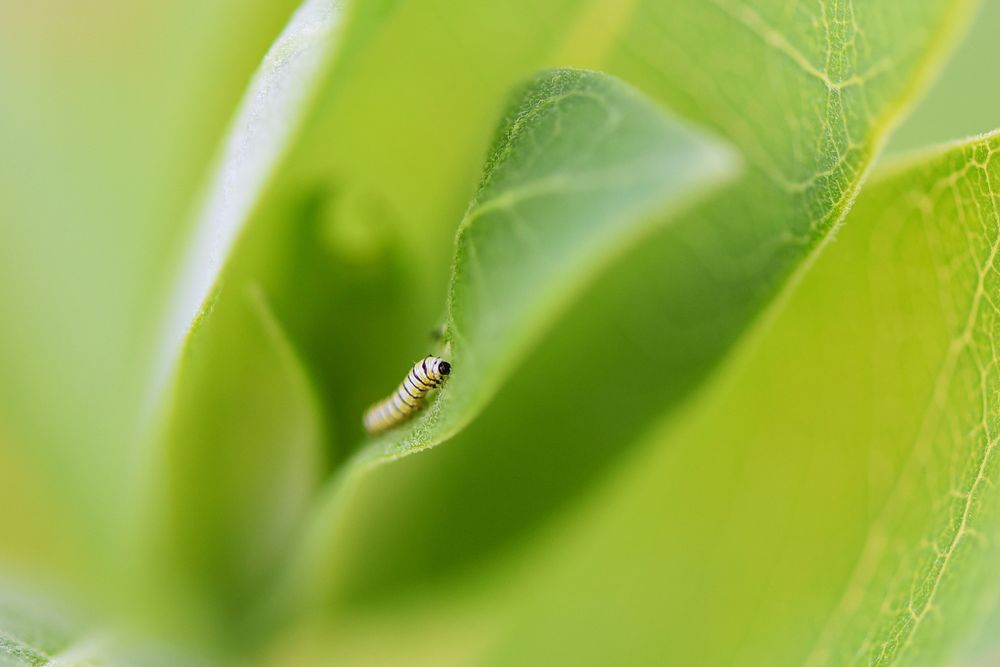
{"type": "Point", "coordinates": [689, 431]}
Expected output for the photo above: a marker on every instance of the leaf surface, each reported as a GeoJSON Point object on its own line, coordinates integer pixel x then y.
{"type": "Point", "coordinates": [581, 169]}
{"type": "Point", "coordinates": [235, 439]}
{"type": "Point", "coordinates": [315, 244]}
{"type": "Point", "coordinates": [830, 497]}
{"type": "Point", "coordinates": [109, 122]}
{"type": "Point", "coordinates": [665, 314]}
{"type": "Point", "coordinates": [844, 510]}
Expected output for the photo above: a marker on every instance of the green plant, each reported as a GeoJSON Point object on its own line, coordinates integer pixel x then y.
{"type": "Point", "coordinates": [683, 427]}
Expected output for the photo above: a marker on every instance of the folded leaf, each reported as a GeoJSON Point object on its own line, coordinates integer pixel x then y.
{"type": "Point", "coordinates": [581, 168]}
{"type": "Point", "coordinates": [354, 239]}
{"type": "Point", "coordinates": [833, 500]}
{"type": "Point", "coordinates": [244, 457]}
{"type": "Point", "coordinates": [656, 325]}
{"type": "Point", "coordinates": [235, 436]}
{"type": "Point", "coordinates": [830, 498]}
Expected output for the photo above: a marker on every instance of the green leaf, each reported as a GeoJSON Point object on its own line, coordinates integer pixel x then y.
{"type": "Point", "coordinates": [236, 434]}
{"type": "Point", "coordinates": [930, 237]}
{"type": "Point", "coordinates": [838, 487]}
{"type": "Point", "coordinates": [354, 240]}
{"type": "Point", "coordinates": [110, 116]}
{"type": "Point", "coordinates": [267, 120]}
{"type": "Point", "coordinates": [582, 168]}
{"type": "Point", "coordinates": [316, 249]}
{"type": "Point", "coordinates": [665, 315]}
{"type": "Point", "coordinates": [830, 497]}
{"type": "Point", "coordinates": [226, 497]}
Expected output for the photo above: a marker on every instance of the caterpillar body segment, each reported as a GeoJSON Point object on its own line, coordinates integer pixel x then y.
{"type": "Point", "coordinates": [427, 374]}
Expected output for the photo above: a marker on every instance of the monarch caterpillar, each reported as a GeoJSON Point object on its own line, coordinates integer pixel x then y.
{"type": "Point", "coordinates": [428, 373]}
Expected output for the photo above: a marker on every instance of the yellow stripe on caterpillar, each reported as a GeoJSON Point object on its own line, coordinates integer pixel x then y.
{"type": "Point", "coordinates": [427, 374]}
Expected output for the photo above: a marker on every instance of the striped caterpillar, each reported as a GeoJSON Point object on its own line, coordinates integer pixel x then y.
{"type": "Point", "coordinates": [427, 374]}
